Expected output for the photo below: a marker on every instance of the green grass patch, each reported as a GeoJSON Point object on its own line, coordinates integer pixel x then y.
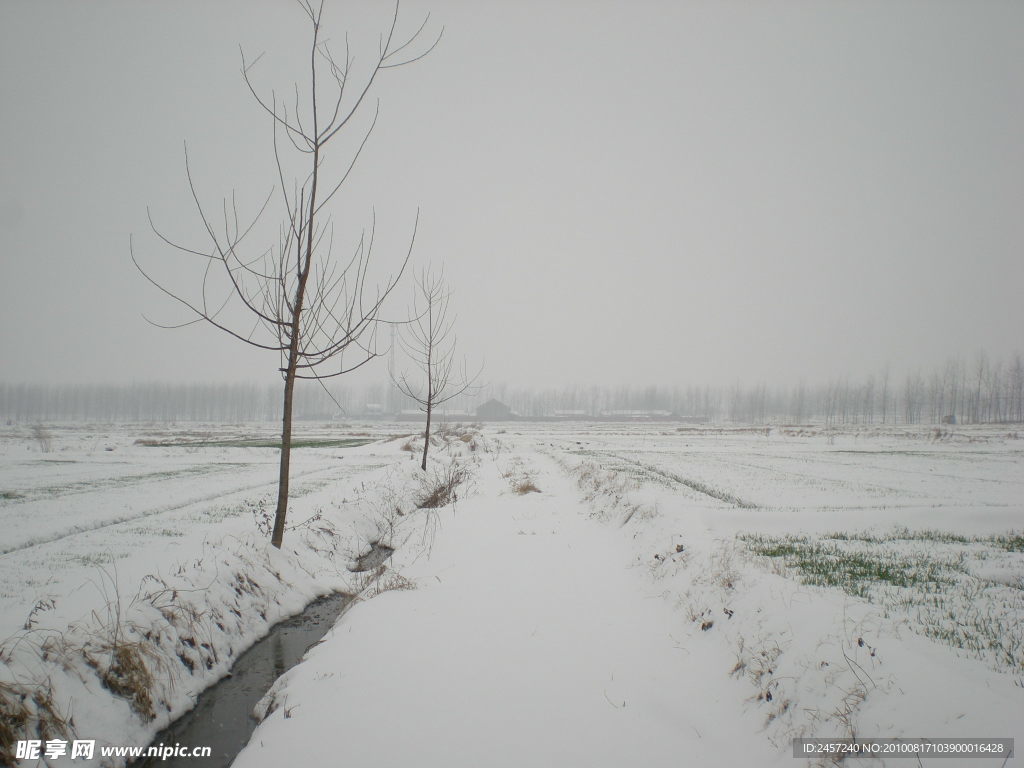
{"type": "Point", "coordinates": [1012, 541]}
{"type": "Point", "coordinates": [924, 575]}
{"type": "Point", "coordinates": [899, 534]}
{"type": "Point", "coordinates": [827, 564]}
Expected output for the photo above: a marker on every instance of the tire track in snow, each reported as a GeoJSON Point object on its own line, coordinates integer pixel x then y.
{"type": "Point", "coordinates": [108, 522]}
{"type": "Point", "coordinates": [694, 485]}
{"type": "Point", "coordinates": [25, 495]}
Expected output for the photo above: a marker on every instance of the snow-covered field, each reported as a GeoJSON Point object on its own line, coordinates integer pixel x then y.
{"type": "Point", "coordinates": [599, 594]}
{"type": "Point", "coordinates": [132, 560]}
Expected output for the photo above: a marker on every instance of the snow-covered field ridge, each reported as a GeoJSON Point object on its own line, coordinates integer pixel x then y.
{"type": "Point", "coordinates": [591, 594]}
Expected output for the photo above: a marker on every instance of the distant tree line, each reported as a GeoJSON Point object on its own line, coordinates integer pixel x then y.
{"type": "Point", "coordinates": [982, 391]}
{"type": "Point", "coordinates": [230, 403]}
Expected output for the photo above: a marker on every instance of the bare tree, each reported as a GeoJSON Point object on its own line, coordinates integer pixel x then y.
{"type": "Point", "coordinates": [429, 341]}
{"type": "Point", "coordinates": [885, 393]}
{"type": "Point", "coordinates": [293, 297]}
{"type": "Point", "coordinates": [1015, 385]}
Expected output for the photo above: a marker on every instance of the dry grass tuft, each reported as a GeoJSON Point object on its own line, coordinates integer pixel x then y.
{"type": "Point", "coordinates": [381, 579]}
{"type": "Point", "coordinates": [519, 478]}
{"type": "Point", "coordinates": [441, 488]}
{"type": "Point", "coordinates": [126, 674]}
{"type": "Point", "coordinates": [28, 713]}
{"type": "Point", "coordinates": [43, 437]}
{"type": "Point", "coordinates": [387, 580]}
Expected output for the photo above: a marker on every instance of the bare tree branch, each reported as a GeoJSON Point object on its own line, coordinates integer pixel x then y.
{"type": "Point", "coordinates": [294, 298]}
{"type": "Point", "coordinates": [429, 341]}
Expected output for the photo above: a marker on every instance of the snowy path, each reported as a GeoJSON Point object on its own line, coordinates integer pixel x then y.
{"type": "Point", "coordinates": [544, 630]}
{"type": "Point", "coordinates": [529, 640]}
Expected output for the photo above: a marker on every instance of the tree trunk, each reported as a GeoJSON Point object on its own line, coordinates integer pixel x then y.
{"type": "Point", "coordinates": [293, 353]}
{"type": "Point", "coordinates": [286, 452]}
{"type": "Point", "coordinates": [426, 437]}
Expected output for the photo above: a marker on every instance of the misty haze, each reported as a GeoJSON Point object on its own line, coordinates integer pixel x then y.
{"type": "Point", "coordinates": [442, 383]}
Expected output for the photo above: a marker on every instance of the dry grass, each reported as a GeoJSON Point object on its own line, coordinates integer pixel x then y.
{"type": "Point", "coordinates": [128, 660]}
{"type": "Point", "coordinates": [43, 437]}
{"type": "Point", "coordinates": [456, 431]}
{"type": "Point", "coordinates": [386, 503]}
{"type": "Point", "coordinates": [524, 487]}
{"type": "Point", "coordinates": [28, 712]}
{"type": "Point", "coordinates": [123, 670]}
{"type": "Point", "coordinates": [467, 434]}
{"type": "Point", "coordinates": [382, 579]}
{"type": "Point", "coordinates": [441, 488]}
{"type": "Point", "coordinates": [132, 644]}
{"type": "Point", "coordinates": [519, 478]}
{"type": "Point", "coordinates": [125, 667]}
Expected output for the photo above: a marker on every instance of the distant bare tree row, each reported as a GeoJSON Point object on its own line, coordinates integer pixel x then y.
{"type": "Point", "coordinates": [215, 403]}
{"type": "Point", "coordinates": [223, 403]}
{"type": "Point", "coordinates": [982, 391]}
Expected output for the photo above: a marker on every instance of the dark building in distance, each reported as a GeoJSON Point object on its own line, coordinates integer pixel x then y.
{"type": "Point", "coordinates": [494, 410]}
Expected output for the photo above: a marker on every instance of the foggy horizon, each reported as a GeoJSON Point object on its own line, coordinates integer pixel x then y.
{"type": "Point", "coordinates": [683, 194]}
{"type": "Point", "coordinates": [987, 392]}
{"type": "Point", "coordinates": [376, 376]}
{"type": "Point", "coordinates": [740, 479]}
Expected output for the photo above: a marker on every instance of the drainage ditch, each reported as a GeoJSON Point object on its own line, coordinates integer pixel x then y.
{"type": "Point", "coordinates": [222, 717]}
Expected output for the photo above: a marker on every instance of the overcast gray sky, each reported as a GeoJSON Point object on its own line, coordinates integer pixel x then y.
{"type": "Point", "coordinates": [644, 191]}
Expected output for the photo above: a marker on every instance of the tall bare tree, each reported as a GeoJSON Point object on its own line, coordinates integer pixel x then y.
{"type": "Point", "coordinates": [429, 341]}
{"type": "Point", "coordinates": [293, 298]}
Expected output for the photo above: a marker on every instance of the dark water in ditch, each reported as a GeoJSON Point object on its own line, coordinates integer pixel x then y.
{"type": "Point", "coordinates": [222, 717]}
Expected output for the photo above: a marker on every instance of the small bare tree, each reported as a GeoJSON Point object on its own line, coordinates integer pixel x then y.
{"type": "Point", "coordinates": [293, 298]}
{"type": "Point", "coordinates": [43, 437]}
{"type": "Point", "coordinates": [429, 340]}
